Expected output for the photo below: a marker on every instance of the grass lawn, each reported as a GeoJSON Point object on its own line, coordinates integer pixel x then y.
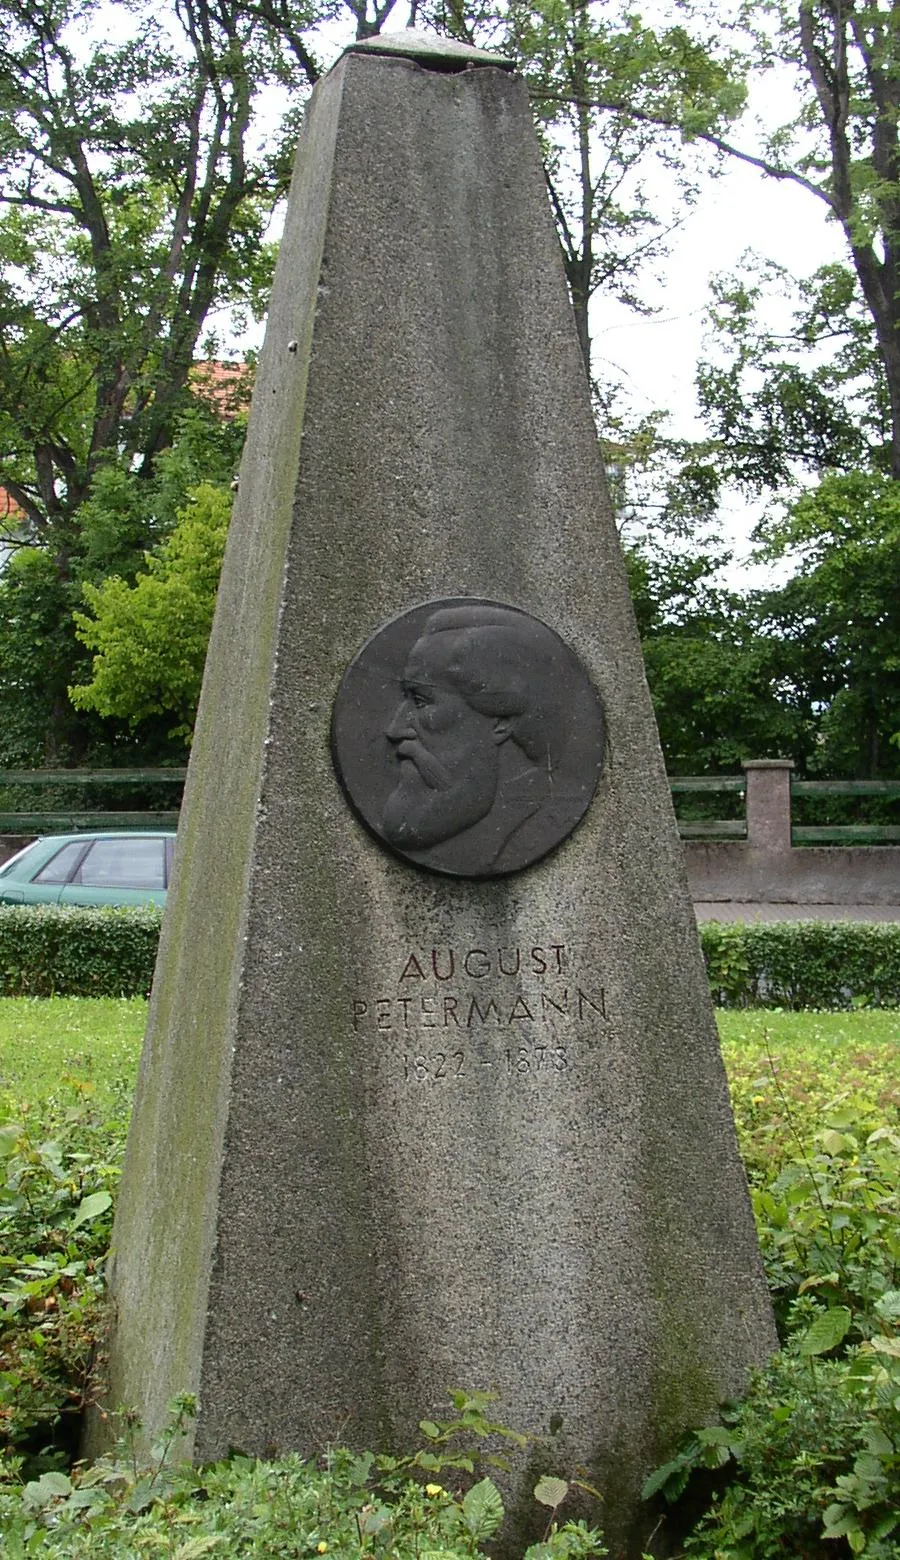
{"type": "Point", "coordinates": [47, 1040]}
{"type": "Point", "coordinates": [809, 1059]}
{"type": "Point", "coordinates": [834, 1053]}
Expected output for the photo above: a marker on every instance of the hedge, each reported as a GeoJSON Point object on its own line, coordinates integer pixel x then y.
{"type": "Point", "coordinates": [803, 964]}
{"type": "Point", "coordinates": [77, 951]}
{"type": "Point", "coordinates": [50, 950]}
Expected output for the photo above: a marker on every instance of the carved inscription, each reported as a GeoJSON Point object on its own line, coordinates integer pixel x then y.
{"type": "Point", "coordinates": [508, 1011]}
{"type": "Point", "coordinates": [518, 1059]}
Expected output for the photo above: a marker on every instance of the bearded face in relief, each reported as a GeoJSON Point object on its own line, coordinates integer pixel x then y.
{"type": "Point", "coordinates": [474, 721]}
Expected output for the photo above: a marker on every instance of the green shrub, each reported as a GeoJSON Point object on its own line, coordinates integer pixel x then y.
{"type": "Point", "coordinates": [347, 1506]}
{"type": "Point", "coordinates": [802, 964]}
{"type": "Point", "coordinates": [59, 1171]}
{"type": "Point", "coordinates": [807, 1464]}
{"type": "Point", "coordinates": [77, 951]}
{"type": "Point", "coordinates": [48, 950]}
{"type": "Point", "coordinates": [794, 1075]}
{"type": "Point", "coordinates": [812, 1460]}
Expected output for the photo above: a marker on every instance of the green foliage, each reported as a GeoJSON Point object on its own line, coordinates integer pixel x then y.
{"type": "Point", "coordinates": [839, 616]}
{"type": "Point", "coordinates": [79, 951]}
{"type": "Point", "coordinates": [778, 401]}
{"type": "Point", "coordinates": [133, 201]}
{"type": "Point", "coordinates": [802, 964]}
{"type": "Point", "coordinates": [59, 1168]}
{"type": "Point", "coordinates": [48, 950]}
{"type": "Point", "coordinates": [791, 1072]}
{"type": "Point", "coordinates": [150, 637]}
{"type": "Point", "coordinates": [348, 1505]}
{"type": "Point", "coordinates": [809, 670]}
{"type": "Point", "coordinates": [830, 1226]}
{"type": "Point", "coordinates": [811, 1455]}
{"type": "Point", "coordinates": [781, 404]}
{"type": "Point", "coordinates": [40, 651]}
{"type": "Point", "coordinates": [614, 96]}
{"type": "Point", "coordinates": [134, 197]}
{"type": "Point", "coordinates": [721, 685]}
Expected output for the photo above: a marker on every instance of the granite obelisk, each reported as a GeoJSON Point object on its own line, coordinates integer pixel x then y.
{"type": "Point", "coordinates": [431, 1095]}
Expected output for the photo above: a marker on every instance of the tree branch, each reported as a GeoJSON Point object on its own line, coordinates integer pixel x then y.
{"type": "Point", "coordinates": [614, 106]}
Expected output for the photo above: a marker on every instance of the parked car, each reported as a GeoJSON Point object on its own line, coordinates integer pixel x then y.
{"type": "Point", "coordinates": [111, 868]}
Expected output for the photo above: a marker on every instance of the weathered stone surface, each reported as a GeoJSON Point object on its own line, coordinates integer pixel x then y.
{"type": "Point", "coordinates": [395, 1132]}
{"type": "Point", "coordinates": [428, 49]}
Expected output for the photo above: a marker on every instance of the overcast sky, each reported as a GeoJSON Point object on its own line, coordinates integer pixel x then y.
{"type": "Point", "coordinates": [655, 357]}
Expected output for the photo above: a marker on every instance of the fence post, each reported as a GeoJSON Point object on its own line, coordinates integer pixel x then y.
{"type": "Point", "coordinates": [768, 802]}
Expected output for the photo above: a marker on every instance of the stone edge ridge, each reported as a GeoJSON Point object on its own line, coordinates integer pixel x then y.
{"type": "Point", "coordinates": [426, 47]}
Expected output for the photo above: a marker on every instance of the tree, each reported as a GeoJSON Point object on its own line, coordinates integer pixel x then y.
{"type": "Point", "coordinates": [150, 637]}
{"type": "Point", "coordinates": [40, 654]}
{"type": "Point", "coordinates": [134, 196]}
{"type": "Point", "coordinates": [721, 684]}
{"type": "Point", "coordinates": [37, 647]}
{"type": "Point", "coordinates": [840, 613]}
{"type": "Point", "coordinates": [132, 205]}
{"type": "Point", "coordinates": [784, 403]}
{"type": "Point", "coordinates": [842, 149]}
{"type": "Point", "coordinates": [848, 50]}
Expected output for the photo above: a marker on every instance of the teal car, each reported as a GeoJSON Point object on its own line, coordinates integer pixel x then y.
{"type": "Point", "coordinates": [112, 868]}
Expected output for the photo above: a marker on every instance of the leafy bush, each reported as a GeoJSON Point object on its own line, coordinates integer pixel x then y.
{"type": "Point", "coordinates": [806, 1466]}
{"type": "Point", "coordinates": [59, 1169]}
{"type": "Point", "coordinates": [830, 1223]}
{"type": "Point", "coordinates": [802, 964]}
{"type": "Point", "coordinates": [77, 950]}
{"type": "Point", "coordinates": [81, 952]}
{"type": "Point", "coordinates": [800, 1076]}
{"type": "Point", "coordinates": [351, 1505]}
{"type": "Point", "coordinates": [812, 1453]}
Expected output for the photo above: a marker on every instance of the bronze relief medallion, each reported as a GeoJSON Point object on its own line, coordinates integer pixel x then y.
{"type": "Point", "coordinates": [468, 737]}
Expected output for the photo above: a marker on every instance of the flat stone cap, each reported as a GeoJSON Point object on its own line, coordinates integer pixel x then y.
{"type": "Point", "coordinates": [429, 50]}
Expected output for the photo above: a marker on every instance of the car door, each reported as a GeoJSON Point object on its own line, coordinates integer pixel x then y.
{"type": "Point", "coordinates": [129, 870]}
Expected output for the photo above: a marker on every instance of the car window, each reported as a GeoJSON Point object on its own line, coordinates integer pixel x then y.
{"type": "Point", "coordinates": [10, 861]}
{"type": "Point", "coordinates": [59, 867]}
{"type": "Point", "coordinates": [137, 863]}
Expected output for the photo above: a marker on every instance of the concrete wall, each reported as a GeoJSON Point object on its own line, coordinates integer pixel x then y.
{"type": "Point", "coordinates": [743, 872]}
{"type": "Point", "coordinates": [732, 878]}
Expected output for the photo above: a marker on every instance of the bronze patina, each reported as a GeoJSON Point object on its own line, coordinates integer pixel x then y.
{"type": "Point", "coordinates": [468, 738]}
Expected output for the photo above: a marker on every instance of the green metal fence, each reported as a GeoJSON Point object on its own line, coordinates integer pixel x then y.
{"type": "Point", "coordinates": [801, 834]}
{"type": "Point", "coordinates": [69, 819]}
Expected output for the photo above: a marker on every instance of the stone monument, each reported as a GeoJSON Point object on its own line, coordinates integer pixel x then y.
{"type": "Point", "coordinates": [431, 1094]}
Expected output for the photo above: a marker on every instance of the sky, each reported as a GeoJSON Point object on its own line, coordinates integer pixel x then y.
{"type": "Point", "coordinates": [655, 356]}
